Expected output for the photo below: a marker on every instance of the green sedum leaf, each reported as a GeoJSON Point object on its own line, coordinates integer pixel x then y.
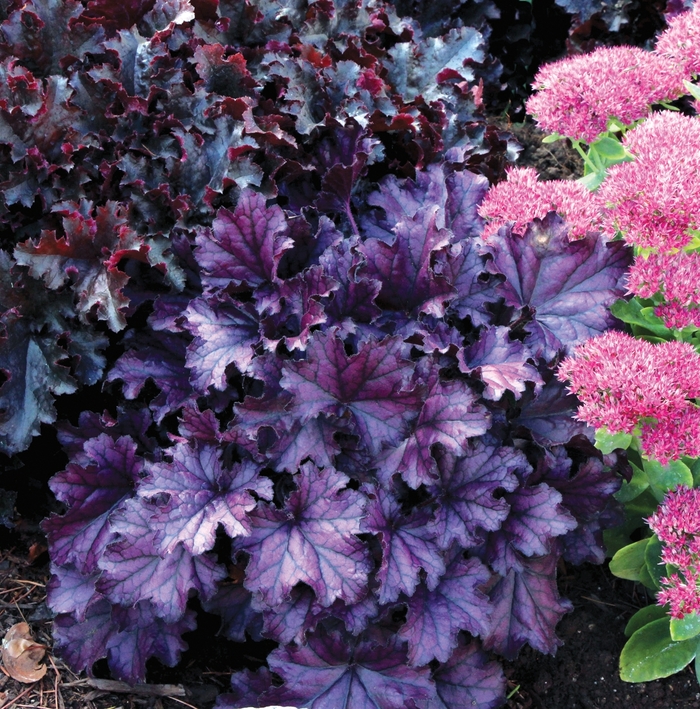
{"type": "Point", "coordinates": [643, 617]}
{"type": "Point", "coordinates": [685, 628]}
{"type": "Point", "coordinates": [629, 561]}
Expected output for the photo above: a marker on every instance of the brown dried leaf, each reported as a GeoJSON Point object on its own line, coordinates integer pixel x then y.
{"type": "Point", "coordinates": [21, 655]}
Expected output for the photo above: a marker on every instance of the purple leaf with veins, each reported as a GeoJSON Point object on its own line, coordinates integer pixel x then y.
{"type": "Point", "coordinates": [467, 504]}
{"type": "Point", "coordinates": [310, 540]}
{"type": "Point", "coordinates": [93, 493]}
{"type": "Point", "coordinates": [201, 495]}
{"type": "Point", "coordinates": [243, 246]}
{"type": "Point", "coordinates": [335, 669]}
{"type": "Point", "coordinates": [370, 386]}
{"type": "Point", "coordinates": [465, 191]}
{"type": "Point", "coordinates": [526, 608]}
{"type": "Point", "coordinates": [435, 617]}
{"type": "Point", "coordinates": [535, 516]}
{"type": "Point", "coordinates": [470, 679]}
{"type": "Point", "coordinates": [501, 364]}
{"type": "Point", "coordinates": [404, 268]}
{"type": "Point", "coordinates": [465, 269]}
{"type": "Point", "coordinates": [568, 285]}
{"type": "Point", "coordinates": [69, 591]}
{"type": "Point", "coordinates": [134, 570]}
{"type": "Point", "coordinates": [450, 415]}
{"type": "Point", "coordinates": [408, 545]}
{"type": "Point", "coordinates": [160, 359]}
{"type": "Point", "coordinates": [225, 333]}
{"type": "Point", "coordinates": [290, 308]}
{"type": "Point", "coordinates": [143, 634]}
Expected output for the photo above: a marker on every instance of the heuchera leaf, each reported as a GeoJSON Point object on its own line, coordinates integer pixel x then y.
{"type": "Point", "coordinates": [450, 415]}
{"type": "Point", "coordinates": [404, 268]}
{"type": "Point", "coordinates": [526, 608]}
{"type": "Point", "coordinates": [93, 492]}
{"type": "Point", "coordinates": [435, 617]}
{"type": "Point", "coordinates": [160, 359]}
{"type": "Point", "coordinates": [225, 334]}
{"type": "Point", "coordinates": [310, 540]}
{"type": "Point", "coordinates": [243, 246]}
{"type": "Point", "coordinates": [201, 495]}
{"type": "Point", "coordinates": [408, 545]}
{"type": "Point", "coordinates": [369, 386]}
{"type": "Point", "coordinates": [336, 669]}
{"type": "Point", "coordinates": [567, 285]}
{"type": "Point", "coordinates": [469, 679]}
{"type": "Point", "coordinates": [134, 570]}
{"type": "Point", "coordinates": [234, 604]}
{"type": "Point", "coordinates": [501, 363]}
{"type": "Point", "coordinates": [467, 504]}
{"type": "Point", "coordinates": [69, 591]}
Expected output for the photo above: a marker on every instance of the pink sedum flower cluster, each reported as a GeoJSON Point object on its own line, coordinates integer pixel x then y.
{"type": "Point", "coordinates": [628, 385]}
{"type": "Point", "coordinates": [676, 277]}
{"type": "Point", "coordinates": [680, 43]}
{"type": "Point", "coordinates": [577, 96]}
{"type": "Point", "coordinates": [677, 525]}
{"type": "Point", "coordinates": [522, 197]}
{"type": "Point", "coordinates": [655, 200]}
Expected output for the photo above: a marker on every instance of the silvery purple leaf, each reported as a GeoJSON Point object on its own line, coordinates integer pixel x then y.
{"type": "Point", "coordinates": [526, 608]}
{"type": "Point", "coordinates": [243, 246]}
{"type": "Point", "coordinates": [536, 515]}
{"type": "Point", "coordinates": [225, 333]}
{"type": "Point", "coordinates": [201, 495]}
{"type": "Point", "coordinates": [246, 687]}
{"type": "Point", "coordinates": [69, 591]}
{"type": "Point", "coordinates": [568, 285]}
{"type": "Point", "coordinates": [549, 415]}
{"type": "Point", "coordinates": [93, 493]}
{"type": "Point", "coordinates": [449, 416]}
{"type": "Point", "coordinates": [436, 617]}
{"type": "Point", "coordinates": [465, 191]}
{"type": "Point", "coordinates": [135, 571]}
{"type": "Point", "coordinates": [161, 360]}
{"type": "Point", "coordinates": [501, 363]}
{"type": "Point", "coordinates": [402, 199]}
{"type": "Point", "coordinates": [142, 634]}
{"type": "Point", "coordinates": [404, 268]}
{"type": "Point", "coordinates": [466, 494]}
{"type": "Point", "coordinates": [408, 545]}
{"type": "Point", "coordinates": [335, 669]}
{"type": "Point", "coordinates": [465, 268]}
{"type": "Point", "coordinates": [310, 540]}
{"type": "Point", "coordinates": [470, 679]}
{"type": "Point", "coordinates": [353, 302]}
{"type": "Point", "coordinates": [290, 308]}
{"type": "Point", "coordinates": [290, 620]}
{"type": "Point", "coordinates": [370, 386]}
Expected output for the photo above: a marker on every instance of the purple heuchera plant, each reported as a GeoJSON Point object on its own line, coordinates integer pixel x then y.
{"type": "Point", "coordinates": [326, 380]}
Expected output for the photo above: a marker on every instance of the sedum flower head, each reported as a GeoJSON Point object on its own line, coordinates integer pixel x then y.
{"type": "Point", "coordinates": [577, 96]}
{"type": "Point", "coordinates": [522, 198]}
{"type": "Point", "coordinates": [655, 200]}
{"type": "Point", "coordinates": [675, 277]}
{"type": "Point", "coordinates": [677, 525]}
{"type": "Point", "coordinates": [680, 43]}
{"type": "Point", "coordinates": [628, 385]}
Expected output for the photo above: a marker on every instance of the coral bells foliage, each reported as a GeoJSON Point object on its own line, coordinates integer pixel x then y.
{"type": "Point", "coordinates": [631, 385]}
{"type": "Point", "coordinates": [578, 96]}
{"type": "Point", "coordinates": [334, 420]}
{"type": "Point", "coordinates": [677, 525]}
{"type": "Point", "coordinates": [523, 197]}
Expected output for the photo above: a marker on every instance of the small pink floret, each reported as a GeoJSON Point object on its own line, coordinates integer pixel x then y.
{"type": "Point", "coordinates": [680, 42]}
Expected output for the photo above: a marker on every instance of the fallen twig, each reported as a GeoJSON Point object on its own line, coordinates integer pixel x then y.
{"type": "Point", "coordinates": [144, 690]}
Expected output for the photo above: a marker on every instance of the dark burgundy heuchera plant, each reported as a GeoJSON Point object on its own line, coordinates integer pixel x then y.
{"type": "Point", "coordinates": [339, 426]}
